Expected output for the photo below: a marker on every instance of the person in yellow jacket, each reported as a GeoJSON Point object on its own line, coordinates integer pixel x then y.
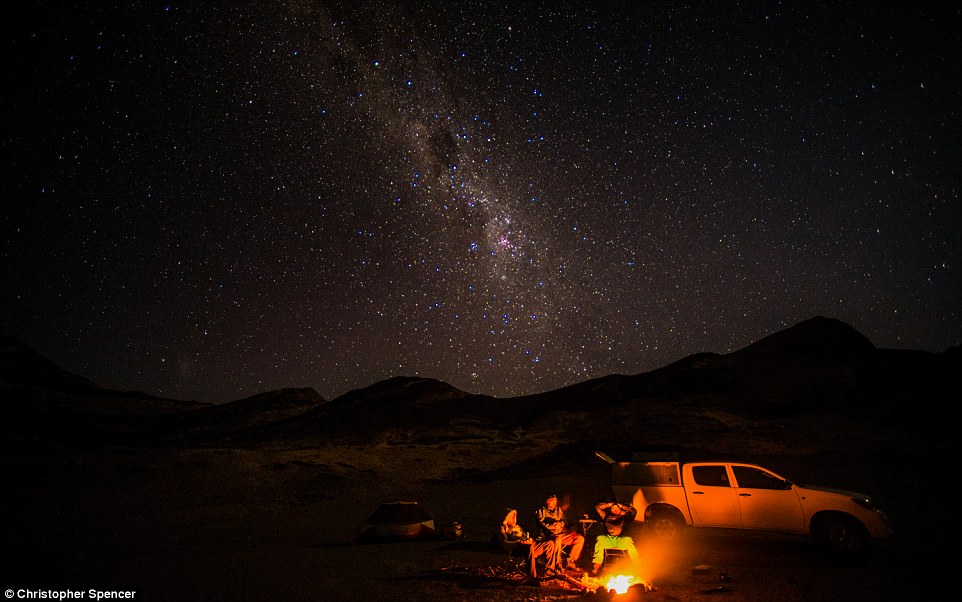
{"type": "Point", "coordinates": [614, 518]}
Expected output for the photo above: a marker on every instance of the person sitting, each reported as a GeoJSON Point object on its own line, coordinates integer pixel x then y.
{"type": "Point", "coordinates": [512, 535]}
{"type": "Point", "coordinates": [614, 518]}
{"type": "Point", "coordinates": [554, 526]}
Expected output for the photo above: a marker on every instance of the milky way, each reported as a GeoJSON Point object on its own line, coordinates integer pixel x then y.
{"type": "Point", "coordinates": [207, 201]}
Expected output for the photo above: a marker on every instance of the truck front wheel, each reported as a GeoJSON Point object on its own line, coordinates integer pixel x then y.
{"type": "Point", "coordinates": [842, 537]}
{"type": "Point", "coordinates": [666, 525]}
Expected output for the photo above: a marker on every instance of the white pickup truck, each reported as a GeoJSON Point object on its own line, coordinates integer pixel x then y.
{"type": "Point", "coordinates": [670, 495]}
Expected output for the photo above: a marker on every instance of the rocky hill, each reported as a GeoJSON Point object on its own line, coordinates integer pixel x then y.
{"type": "Point", "coordinates": [816, 367]}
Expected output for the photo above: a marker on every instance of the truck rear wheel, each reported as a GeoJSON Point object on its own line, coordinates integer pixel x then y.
{"type": "Point", "coordinates": [666, 525]}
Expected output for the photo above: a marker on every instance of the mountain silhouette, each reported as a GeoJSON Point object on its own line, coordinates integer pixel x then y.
{"type": "Point", "coordinates": [20, 364]}
{"type": "Point", "coordinates": [819, 365]}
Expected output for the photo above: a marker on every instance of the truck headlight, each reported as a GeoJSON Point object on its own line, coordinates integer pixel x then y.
{"type": "Point", "coordinates": [868, 504]}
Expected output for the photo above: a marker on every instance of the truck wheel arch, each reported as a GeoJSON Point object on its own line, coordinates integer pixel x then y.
{"type": "Point", "coordinates": [840, 535]}
{"type": "Point", "coordinates": [665, 522]}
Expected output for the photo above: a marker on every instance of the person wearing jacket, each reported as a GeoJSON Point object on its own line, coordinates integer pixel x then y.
{"type": "Point", "coordinates": [554, 526]}
{"type": "Point", "coordinates": [614, 518]}
{"type": "Point", "coordinates": [513, 535]}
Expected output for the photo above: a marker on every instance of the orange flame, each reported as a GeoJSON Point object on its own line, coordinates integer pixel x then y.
{"type": "Point", "coordinates": [614, 584]}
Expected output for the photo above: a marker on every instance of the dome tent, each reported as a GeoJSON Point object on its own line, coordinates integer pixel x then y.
{"type": "Point", "coordinates": [400, 521]}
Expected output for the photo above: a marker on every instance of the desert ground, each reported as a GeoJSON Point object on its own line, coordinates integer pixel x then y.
{"type": "Point", "coordinates": [263, 498]}
{"type": "Point", "coordinates": [280, 524]}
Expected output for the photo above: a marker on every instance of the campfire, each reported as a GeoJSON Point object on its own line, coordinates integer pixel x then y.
{"type": "Point", "coordinates": [619, 583]}
{"type": "Point", "coordinates": [615, 586]}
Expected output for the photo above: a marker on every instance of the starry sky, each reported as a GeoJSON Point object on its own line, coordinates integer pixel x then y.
{"type": "Point", "coordinates": [209, 200]}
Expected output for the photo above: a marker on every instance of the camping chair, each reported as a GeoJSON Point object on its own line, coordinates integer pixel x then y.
{"type": "Point", "coordinates": [559, 557]}
{"type": "Point", "coordinates": [518, 556]}
{"type": "Point", "coordinates": [517, 550]}
{"type": "Point", "coordinates": [614, 558]}
{"type": "Point", "coordinates": [554, 560]}
{"type": "Point", "coordinates": [548, 557]}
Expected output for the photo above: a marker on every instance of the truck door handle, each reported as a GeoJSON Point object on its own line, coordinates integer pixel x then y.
{"type": "Point", "coordinates": [698, 493]}
{"type": "Point", "coordinates": [744, 495]}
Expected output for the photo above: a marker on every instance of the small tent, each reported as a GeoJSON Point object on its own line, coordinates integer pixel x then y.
{"type": "Point", "coordinates": [398, 521]}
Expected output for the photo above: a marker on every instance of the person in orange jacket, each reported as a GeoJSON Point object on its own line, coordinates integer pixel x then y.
{"type": "Point", "coordinates": [555, 527]}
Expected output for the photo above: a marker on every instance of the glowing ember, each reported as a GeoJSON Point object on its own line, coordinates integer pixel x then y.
{"type": "Point", "coordinates": [619, 583]}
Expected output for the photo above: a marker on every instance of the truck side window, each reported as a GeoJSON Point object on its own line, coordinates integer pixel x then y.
{"type": "Point", "coordinates": [752, 478]}
{"type": "Point", "coordinates": [710, 476]}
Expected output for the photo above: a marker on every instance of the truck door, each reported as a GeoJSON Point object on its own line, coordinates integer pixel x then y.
{"type": "Point", "coordinates": [767, 501]}
{"type": "Point", "coordinates": [711, 498]}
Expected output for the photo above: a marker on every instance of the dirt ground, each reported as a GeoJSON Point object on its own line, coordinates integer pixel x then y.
{"type": "Point", "coordinates": [280, 525]}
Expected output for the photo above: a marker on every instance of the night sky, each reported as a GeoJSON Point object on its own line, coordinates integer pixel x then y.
{"type": "Point", "coordinates": [209, 200]}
